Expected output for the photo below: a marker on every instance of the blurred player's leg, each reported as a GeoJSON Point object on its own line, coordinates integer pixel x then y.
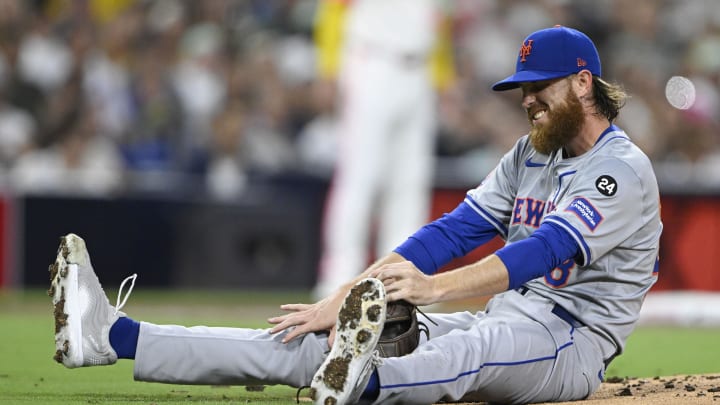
{"type": "Point", "coordinates": [364, 129]}
{"type": "Point", "coordinates": [408, 180]}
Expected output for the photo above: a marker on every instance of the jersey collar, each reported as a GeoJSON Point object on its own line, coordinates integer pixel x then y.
{"type": "Point", "coordinates": [611, 128]}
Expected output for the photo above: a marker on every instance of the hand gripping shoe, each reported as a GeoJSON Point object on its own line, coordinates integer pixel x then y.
{"type": "Point", "coordinates": [345, 372]}
{"type": "Point", "coordinates": [83, 314]}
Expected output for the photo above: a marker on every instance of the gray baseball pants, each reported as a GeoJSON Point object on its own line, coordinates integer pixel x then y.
{"type": "Point", "coordinates": [516, 352]}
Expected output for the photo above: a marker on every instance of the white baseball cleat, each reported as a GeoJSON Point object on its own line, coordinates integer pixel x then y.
{"type": "Point", "coordinates": [83, 314]}
{"type": "Point", "coordinates": [344, 374]}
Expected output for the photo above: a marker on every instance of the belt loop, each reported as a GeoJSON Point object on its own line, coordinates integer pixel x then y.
{"type": "Point", "coordinates": [559, 311]}
{"type": "Point", "coordinates": [566, 316]}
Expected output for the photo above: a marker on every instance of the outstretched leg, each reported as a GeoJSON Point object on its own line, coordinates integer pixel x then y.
{"type": "Point", "coordinates": [89, 332]}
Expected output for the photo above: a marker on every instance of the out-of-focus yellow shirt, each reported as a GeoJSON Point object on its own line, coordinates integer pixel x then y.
{"type": "Point", "coordinates": [328, 35]}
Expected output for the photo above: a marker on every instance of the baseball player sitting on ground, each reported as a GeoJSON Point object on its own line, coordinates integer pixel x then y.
{"type": "Point", "coordinates": [576, 202]}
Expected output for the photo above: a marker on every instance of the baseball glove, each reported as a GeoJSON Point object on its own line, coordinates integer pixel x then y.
{"type": "Point", "coordinates": [401, 334]}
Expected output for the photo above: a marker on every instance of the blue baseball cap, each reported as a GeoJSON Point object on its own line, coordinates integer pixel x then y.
{"type": "Point", "coordinates": [552, 53]}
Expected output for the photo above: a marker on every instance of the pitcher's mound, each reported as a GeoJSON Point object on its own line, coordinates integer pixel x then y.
{"type": "Point", "coordinates": [685, 389]}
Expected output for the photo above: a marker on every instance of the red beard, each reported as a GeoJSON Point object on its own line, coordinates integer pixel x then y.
{"type": "Point", "coordinates": [564, 123]}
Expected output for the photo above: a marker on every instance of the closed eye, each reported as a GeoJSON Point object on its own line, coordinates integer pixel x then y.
{"type": "Point", "coordinates": [535, 87]}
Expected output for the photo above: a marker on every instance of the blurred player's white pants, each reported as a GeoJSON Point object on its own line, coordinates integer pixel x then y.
{"type": "Point", "coordinates": [385, 163]}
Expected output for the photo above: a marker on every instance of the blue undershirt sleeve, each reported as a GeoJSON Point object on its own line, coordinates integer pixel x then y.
{"type": "Point", "coordinates": [527, 259]}
{"type": "Point", "coordinates": [453, 235]}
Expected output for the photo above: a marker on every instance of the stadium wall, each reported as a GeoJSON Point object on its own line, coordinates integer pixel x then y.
{"type": "Point", "coordinates": [268, 240]}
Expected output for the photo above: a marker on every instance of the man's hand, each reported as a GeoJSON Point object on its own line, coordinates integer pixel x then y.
{"type": "Point", "coordinates": [306, 318]}
{"type": "Point", "coordinates": [403, 281]}
{"type": "Point", "coordinates": [321, 316]}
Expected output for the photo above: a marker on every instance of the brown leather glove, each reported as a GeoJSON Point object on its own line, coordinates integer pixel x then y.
{"type": "Point", "coordinates": [401, 334]}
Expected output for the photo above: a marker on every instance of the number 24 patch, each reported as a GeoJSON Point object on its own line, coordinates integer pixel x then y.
{"type": "Point", "coordinates": [606, 185]}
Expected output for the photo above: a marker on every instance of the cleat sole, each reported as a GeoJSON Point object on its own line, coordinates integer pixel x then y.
{"type": "Point", "coordinates": [359, 325]}
{"type": "Point", "coordinates": [63, 290]}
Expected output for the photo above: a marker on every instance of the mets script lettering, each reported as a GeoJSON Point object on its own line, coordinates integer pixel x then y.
{"type": "Point", "coordinates": [530, 211]}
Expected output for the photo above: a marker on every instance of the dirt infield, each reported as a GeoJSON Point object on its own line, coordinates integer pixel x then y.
{"type": "Point", "coordinates": [685, 389]}
{"type": "Point", "coordinates": [696, 389]}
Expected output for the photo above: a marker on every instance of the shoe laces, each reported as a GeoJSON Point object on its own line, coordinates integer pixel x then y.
{"type": "Point", "coordinates": [375, 361]}
{"type": "Point", "coordinates": [119, 305]}
{"type": "Point", "coordinates": [426, 317]}
{"type": "Point", "coordinates": [421, 325]}
{"type": "Point", "coordinates": [297, 393]}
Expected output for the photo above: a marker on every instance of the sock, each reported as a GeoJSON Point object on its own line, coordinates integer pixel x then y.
{"type": "Point", "coordinates": [372, 390]}
{"type": "Point", "coordinates": [124, 336]}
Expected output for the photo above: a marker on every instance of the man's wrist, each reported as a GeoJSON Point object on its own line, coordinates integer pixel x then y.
{"type": "Point", "coordinates": [438, 289]}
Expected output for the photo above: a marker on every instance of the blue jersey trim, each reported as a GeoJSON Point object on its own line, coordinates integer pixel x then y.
{"type": "Point", "coordinates": [530, 163]}
{"type": "Point", "coordinates": [616, 137]}
{"type": "Point", "coordinates": [577, 235]}
{"type": "Point", "coordinates": [560, 179]}
{"type": "Point", "coordinates": [609, 140]}
{"type": "Point", "coordinates": [488, 217]}
{"type": "Point", "coordinates": [484, 365]}
{"type": "Point", "coordinates": [611, 128]}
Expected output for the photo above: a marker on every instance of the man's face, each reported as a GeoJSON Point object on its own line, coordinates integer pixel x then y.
{"type": "Point", "coordinates": [555, 113]}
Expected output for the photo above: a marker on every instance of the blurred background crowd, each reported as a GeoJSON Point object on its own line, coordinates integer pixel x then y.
{"type": "Point", "coordinates": [101, 97]}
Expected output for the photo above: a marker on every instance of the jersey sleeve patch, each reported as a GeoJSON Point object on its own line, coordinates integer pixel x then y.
{"type": "Point", "coordinates": [586, 212]}
{"type": "Point", "coordinates": [606, 185]}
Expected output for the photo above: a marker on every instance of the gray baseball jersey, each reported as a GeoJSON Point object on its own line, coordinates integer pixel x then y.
{"type": "Point", "coordinates": [608, 200]}
{"type": "Point", "coordinates": [550, 340]}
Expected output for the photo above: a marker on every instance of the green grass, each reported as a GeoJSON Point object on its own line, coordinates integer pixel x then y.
{"type": "Point", "coordinates": [28, 375]}
{"type": "Point", "coordinates": [663, 351]}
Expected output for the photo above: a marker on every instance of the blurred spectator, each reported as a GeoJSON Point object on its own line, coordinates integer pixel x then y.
{"type": "Point", "coordinates": [155, 117]}
{"type": "Point", "coordinates": [107, 63]}
{"type": "Point", "coordinates": [156, 75]}
{"type": "Point", "coordinates": [70, 154]}
{"type": "Point", "coordinates": [21, 102]}
{"type": "Point", "coordinates": [17, 131]}
{"type": "Point", "coordinates": [317, 142]}
{"type": "Point", "coordinates": [268, 134]}
{"type": "Point", "coordinates": [79, 161]}
{"type": "Point", "coordinates": [44, 59]}
{"type": "Point", "coordinates": [17, 90]}
{"type": "Point", "coordinates": [199, 78]}
{"type": "Point", "coordinates": [226, 173]}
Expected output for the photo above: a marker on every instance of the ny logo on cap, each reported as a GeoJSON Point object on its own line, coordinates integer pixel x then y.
{"type": "Point", "coordinates": [525, 49]}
